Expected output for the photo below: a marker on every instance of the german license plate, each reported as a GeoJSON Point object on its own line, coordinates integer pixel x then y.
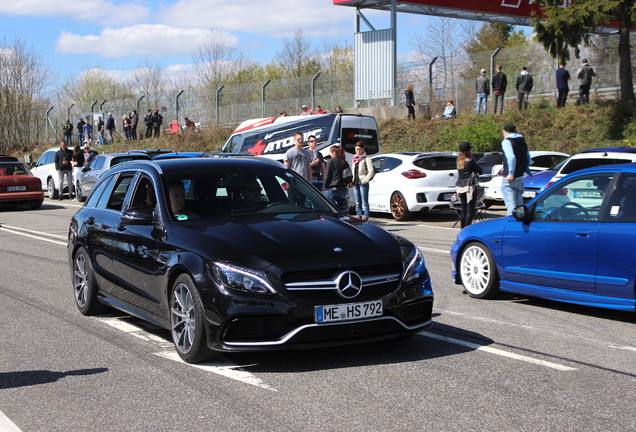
{"type": "Point", "coordinates": [16, 188]}
{"type": "Point", "coordinates": [528, 194]}
{"type": "Point", "coordinates": [348, 312]}
{"type": "Point", "coordinates": [587, 193]}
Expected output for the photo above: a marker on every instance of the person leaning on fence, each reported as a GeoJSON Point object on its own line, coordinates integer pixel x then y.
{"type": "Point", "coordinates": [524, 86]}
{"type": "Point", "coordinates": [468, 172]}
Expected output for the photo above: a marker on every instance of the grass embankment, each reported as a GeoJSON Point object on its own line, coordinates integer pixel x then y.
{"type": "Point", "coordinates": [570, 129]}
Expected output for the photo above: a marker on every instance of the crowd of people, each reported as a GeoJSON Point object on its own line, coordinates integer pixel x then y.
{"type": "Point", "coordinates": [69, 164]}
{"type": "Point", "coordinates": [523, 85]}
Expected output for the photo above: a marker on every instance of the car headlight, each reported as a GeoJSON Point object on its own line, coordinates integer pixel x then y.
{"type": "Point", "coordinates": [413, 264]}
{"type": "Point", "coordinates": [242, 278]}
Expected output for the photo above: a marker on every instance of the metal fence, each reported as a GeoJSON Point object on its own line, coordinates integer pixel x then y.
{"type": "Point", "coordinates": [237, 103]}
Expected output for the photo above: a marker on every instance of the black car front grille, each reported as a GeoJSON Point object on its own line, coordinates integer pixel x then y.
{"type": "Point", "coordinates": [416, 312]}
{"type": "Point", "coordinates": [254, 329]}
{"type": "Point", "coordinates": [318, 286]}
{"type": "Point", "coordinates": [347, 331]}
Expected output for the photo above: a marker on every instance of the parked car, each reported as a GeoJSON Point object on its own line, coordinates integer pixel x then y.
{"type": "Point", "coordinates": [410, 182]}
{"type": "Point", "coordinates": [595, 157]}
{"type": "Point", "coordinates": [539, 161]}
{"type": "Point", "coordinates": [150, 153]}
{"type": "Point", "coordinates": [17, 185]}
{"type": "Point", "coordinates": [45, 170]}
{"type": "Point", "coordinates": [241, 254]}
{"type": "Point", "coordinates": [98, 166]}
{"type": "Point", "coordinates": [572, 243]}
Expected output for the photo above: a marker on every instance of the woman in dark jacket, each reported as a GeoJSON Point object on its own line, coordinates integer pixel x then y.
{"type": "Point", "coordinates": [410, 101]}
{"type": "Point", "coordinates": [333, 175]}
{"type": "Point", "coordinates": [467, 181]}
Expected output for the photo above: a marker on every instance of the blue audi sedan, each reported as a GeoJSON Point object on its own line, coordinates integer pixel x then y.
{"type": "Point", "coordinates": [573, 243]}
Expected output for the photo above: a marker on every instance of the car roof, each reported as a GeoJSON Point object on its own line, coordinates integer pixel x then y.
{"type": "Point", "coordinates": [5, 158]}
{"type": "Point", "coordinates": [610, 150]}
{"type": "Point", "coordinates": [180, 165]}
{"type": "Point", "coordinates": [415, 155]}
{"type": "Point", "coordinates": [630, 167]}
{"type": "Point", "coordinates": [114, 155]}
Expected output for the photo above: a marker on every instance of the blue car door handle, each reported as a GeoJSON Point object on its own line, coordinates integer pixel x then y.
{"type": "Point", "coordinates": [583, 233]}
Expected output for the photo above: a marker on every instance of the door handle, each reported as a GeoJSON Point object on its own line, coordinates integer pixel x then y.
{"type": "Point", "coordinates": [582, 233]}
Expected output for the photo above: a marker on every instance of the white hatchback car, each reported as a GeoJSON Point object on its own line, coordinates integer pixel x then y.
{"type": "Point", "coordinates": [45, 170]}
{"type": "Point", "coordinates": [410, 182]}
{"type": "Point", "coordinates": [539, 161]}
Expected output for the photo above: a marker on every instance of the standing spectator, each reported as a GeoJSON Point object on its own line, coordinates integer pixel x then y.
{"type": "Point", "coordinates": [468, 171]}
{"type": "Point", "coordinates": [585, 74]}
{"type": "Point", "coordinates": [110, 129]}
{"type": "Point", "coordinates": [449, 111]}
{"type": "Point", "coordinates": [482, 85]}
{"type": "Point", "coordinates": [499, 85]}
{"type": "Point", "coordinates": [410, 102]}
{"type": "Point", "coordinates": [298, 159]}
{"type": "Point", "coordinates": [125, 124]}
{"type": "Point", "coordinates": [100, 131]}
{"type": "Point", "coordinates": [189, 125]}
{"type": "Point", "coordinates": [68, 133]}
{"type": "Point", "coordinates": [80, 130]}
{"type": "Point", "coordinates": [363, 173]}
{"type": "Point", "coordinates": [78, 164]}
{"type": "Point", "coordinates": [157, 121]}
{"type": "Point", "coordinates": [283, 114]}
{"type": "Point", "coordinates": [319, 110]}
{"type": "Point", "coordinates": [333, 177]}
{"type": "Point", "coordinates": [134, 121]}
{"type": "Point", "coordinates": [317, 164]}
{"type": "Point", "coordinates": [88, 130]}
{"type": "Point", "coordinates": [306, 110]}
{"type": "Point", "coordinates": [63, 165]}
{"type": "Point", "coordinates": [516, 162]}
{"type": "Point", "coordinates": [524, 87]}
{"type": "Point", "coordinates": [148, 122]}
{"type": "Point", "coordinates": [562, 78]}
{"type": "Point", "coordinates": [338, 110]}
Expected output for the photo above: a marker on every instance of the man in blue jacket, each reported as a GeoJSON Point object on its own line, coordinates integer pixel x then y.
{"type": "Point", "coordinates": [516, 162]}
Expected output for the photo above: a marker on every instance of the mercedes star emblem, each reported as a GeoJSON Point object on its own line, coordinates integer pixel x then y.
{"type": "Point", "coordinates": [349, 284]}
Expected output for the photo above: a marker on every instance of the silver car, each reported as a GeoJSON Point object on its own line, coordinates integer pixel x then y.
{"type": "Point", "coordinates": [102, 163]}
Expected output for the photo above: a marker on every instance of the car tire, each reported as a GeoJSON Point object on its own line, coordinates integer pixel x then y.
{"type": "Point", "coordinates": [187, 322]}
{"type": "Point", "coordinates": [399, 208]}
{"type": "Point", "coordinates": [78, 193]}
{"type": "Point", "coordinates": [53, 192]}
{"type": "Point", "coordinates": [478, 271]}
{"type": "Point", "coordinates": [35, 204]}
{"type": "Point", "coordinates": [85, 286]}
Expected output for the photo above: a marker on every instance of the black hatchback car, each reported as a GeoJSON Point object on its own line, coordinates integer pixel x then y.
{"type": "Point", "coordinates": [241, 254]}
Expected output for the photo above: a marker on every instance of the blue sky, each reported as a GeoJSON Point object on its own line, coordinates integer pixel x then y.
{"type": "Point", "coordinates": [119, 35]}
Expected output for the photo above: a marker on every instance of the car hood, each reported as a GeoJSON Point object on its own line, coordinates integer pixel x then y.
{"type": "Point", "coordinates": [539, 179]}
{"type": "Point", "coordinates": [290, 241]}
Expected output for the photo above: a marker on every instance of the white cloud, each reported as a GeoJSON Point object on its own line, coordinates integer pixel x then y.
{"type": "Point", "coordinates": [105, 12]}
{"type": "Point", "coordinates": [143, 40]}
{"type": "Point", "coordinates": [275, 18]}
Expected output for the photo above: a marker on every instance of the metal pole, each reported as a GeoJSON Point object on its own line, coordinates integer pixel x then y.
{"type": "Point", "coordinates": [394, 48]}
{"type": "Point", "coordinates": [430, 81]}
{"type": "Point", "coordinates": [492, 62]}
{"type": "Point", "coordinates": [68, 112]}
{"type": "Point", "coordinates": [263, 98]}
{"type": "Point", "coordinates": [47, 123]}
{"type": "Point", "coordinates": [93, 110]}
{"type": "Point", "coordinates": [177, 103]}
{"type": "Point", "coordinates": [139, 100]}
{"type": "Point", "coordinates": [101, 105]}
{"type": "Point", "coordinates": [313, 95]}
{"type": "Point", "coordinates": [217, 103]}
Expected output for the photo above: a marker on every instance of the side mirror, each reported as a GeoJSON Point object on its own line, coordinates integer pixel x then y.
{"type": "Point", "coordinates": [342, 203]}
{"type": "Point", "coordinates": [86, 168]}
{"type": "Point", "coordinates": [138, 216]}
{"type": "Point", "coordinates": [522, 213]}
{"type": "Point", "coordinates": [33, 164]}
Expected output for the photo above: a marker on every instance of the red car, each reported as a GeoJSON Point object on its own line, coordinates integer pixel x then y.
{"type": "Point", "coordinates": [17, 185]}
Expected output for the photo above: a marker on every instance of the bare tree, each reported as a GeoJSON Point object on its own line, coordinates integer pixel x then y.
{"type": "Point", "coordinates": [24, 77]}
{"type": "Point", "coordinates": [297, 61]}
{"type": "Point", "coordinates": [152, 82]}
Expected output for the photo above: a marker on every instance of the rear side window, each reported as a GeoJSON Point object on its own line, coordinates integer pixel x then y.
{"type": "Point", "coordinates": [122, 159]}
{"type": "Point", "coordinates": [437, 163]}
{"type": "Point", "coordinates": [386, 164]}
{"type": "Point", "coordinates": [579, 164]}
{"type": "Point", "coordinates": [491, 159]}
{"type": "Point", "coordinates": [98, 163]}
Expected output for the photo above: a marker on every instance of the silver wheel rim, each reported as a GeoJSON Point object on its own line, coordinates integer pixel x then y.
{"type": "Point", "coordinates": [182, 318]}
{"type": "Point", "coordinates": [51, 188]}
{"type": "Point", "coordinates": [475, 270]}
{"type": "Point", "coordinates": [79, 279]}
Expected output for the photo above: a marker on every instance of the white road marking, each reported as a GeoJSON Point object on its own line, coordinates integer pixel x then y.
{"type": "Point", "coordinates": [6, 425]}
{"type": "Point", "coordinates": [499, 352]}
{"type": "Point", "coordinates": [18, 231]}
{"type": "Point", "coordinates": [427, 249]}
{"type": "Point", "coordinates": [626, 348]}
{"type": "Point", "coordinates": [228, 370]}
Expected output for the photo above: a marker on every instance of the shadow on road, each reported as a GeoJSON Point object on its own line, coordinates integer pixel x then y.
{"type": "Point", "coordinates": [29, 378]}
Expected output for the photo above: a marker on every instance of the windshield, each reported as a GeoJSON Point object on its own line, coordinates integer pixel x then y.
{"type": "Point", "coordinates": [236, 193]}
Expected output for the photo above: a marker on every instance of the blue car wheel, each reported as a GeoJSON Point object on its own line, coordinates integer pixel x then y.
{"type": "Point", "coordinates": [478, 271]}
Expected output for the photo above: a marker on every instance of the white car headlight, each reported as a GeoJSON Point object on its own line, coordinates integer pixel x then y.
{"type": "Point", "coordinates": [242, 278]}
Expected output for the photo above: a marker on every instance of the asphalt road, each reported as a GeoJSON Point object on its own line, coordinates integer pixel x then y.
{"type": "Point", "coordinates": [511, 364]}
